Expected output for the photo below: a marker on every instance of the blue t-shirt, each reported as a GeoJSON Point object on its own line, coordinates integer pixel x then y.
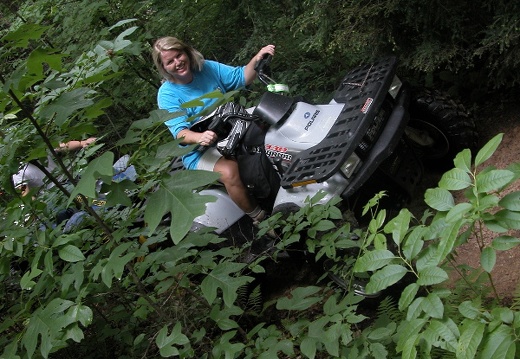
{"type": "Point", "coordinates": [171, 96]}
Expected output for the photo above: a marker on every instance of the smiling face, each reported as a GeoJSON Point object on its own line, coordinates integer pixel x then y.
{"type": "Point", "coordinates": [177, 64]}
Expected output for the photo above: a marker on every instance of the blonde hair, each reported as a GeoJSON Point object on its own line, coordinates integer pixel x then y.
{"type": "Point", "coordinates": [168, 43]}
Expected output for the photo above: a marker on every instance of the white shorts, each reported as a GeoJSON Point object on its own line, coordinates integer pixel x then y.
{"type": "Point", "coordinates": [209, 159]}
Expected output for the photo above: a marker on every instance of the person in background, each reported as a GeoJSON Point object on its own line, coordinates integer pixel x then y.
{"type": "Point", "coordinates": [187, 76]}
{"type": "Point", "coordinates": [31, 177]}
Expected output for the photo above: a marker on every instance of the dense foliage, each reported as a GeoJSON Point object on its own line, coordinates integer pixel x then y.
{"type": "Point", "coordinates": [125, 284]}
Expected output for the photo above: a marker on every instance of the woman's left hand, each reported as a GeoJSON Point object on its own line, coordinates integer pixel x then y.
{"type": "Point", "coordinates": [269, 49]}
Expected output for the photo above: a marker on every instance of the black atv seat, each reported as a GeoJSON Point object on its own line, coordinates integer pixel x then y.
{"type": "Point", "coordinates": [273, 107]}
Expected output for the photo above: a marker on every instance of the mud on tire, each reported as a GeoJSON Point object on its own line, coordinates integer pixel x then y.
{"type": "Point", "coordinates": [446, 121]}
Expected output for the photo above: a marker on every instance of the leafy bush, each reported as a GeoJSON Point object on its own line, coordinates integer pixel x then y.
{"type": "Point", "coordinates": [125, 283]}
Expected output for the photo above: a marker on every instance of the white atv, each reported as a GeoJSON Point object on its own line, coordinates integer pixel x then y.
{"type": "Point", "coordinates": [373, 135]}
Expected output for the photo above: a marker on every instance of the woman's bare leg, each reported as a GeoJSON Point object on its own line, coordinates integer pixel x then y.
{"type": "Point", "coordinates": [230, 177]}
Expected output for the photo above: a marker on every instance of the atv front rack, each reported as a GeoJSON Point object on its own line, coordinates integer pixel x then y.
{"type": "Point", "coordinates": [363, 91]}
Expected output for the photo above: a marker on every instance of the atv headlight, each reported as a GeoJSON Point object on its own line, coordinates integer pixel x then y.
{"type": "Point", "coordinates": [395, 87]}
{"type": "Point", "coordinates": [350, 165]}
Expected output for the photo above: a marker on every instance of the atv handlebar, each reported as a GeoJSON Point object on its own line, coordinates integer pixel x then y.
{"type": "Point", "coordinates": [262, 67]}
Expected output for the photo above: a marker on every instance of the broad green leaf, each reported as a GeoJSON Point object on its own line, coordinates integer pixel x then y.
{"type": "Point", "coordinates": [511, 201]}
{"type": "Point", "coordinates": [39, 57]}
{"type": "Point", "coordinates": [439, 199]}
{"type": "Point", "coordinates": [385, 277]}
{"type": "Point", "coordinates": [471, 334]}
{"type": "Point", "coordinates": [500, 344]}
{"type": "Point", "coordinates": [508, 219]}
{"type": "Point", "coordinates": [21, 36]}
{"type": "Point", "coordinates": [382, 332]}
{"type": "Point", "coordinates": [62, 108]}
{"type": "Point", "coordinates": [469, 310]}
{"type": "Point", "coordinates": [221, 277]}
{"type": "Point", "coordinates": [27, 282]}
{"type": "Point", "coordinates": [488, 150]}
{"type": "Point", "coordinates": [308, 347]}
{"type": "Point", "coordinates": [488, 258]}
{"type": "Point", "coordinates": [409, 331]}
{"type": "Point", "coordinates": [98, 168]}
{"type": "Point", "coordinates": [222, 316]}
{"type": "Point", "coordinates": [373, 260]}
{"type": "Point", "coordinates": [432, 305]}
{"type": "Point", "coordinates": [455, 179]}
{"type": "Point", "coordinates": [463, 160]}
{"type": "Point", "coordinates": [83, 314]}
{"type": "Point", "coordinates": [71, 253]}
{"type": "Point", "coordinates": [115, 265]}
{"type": "Point", "coordinates": [459, 211]}
{"type": "Point", "coordinates": [447, 330]}
{"type": "Point", "coordinates": [505, 242]}
{"type": "Point", "coordinates": [118, 193]}
{"type": "Point", "coordinates": [302, 298]}
{"type": "Point", "coordinates": [176, 196]}
{"type": "Point", "coordinates": [414, 242]}
{"type": "Point", "coordinates": [408, 295]}
{"type": "Point", "coordinates": [493, 180]}
{"type": "Point", "coordinates": [447, 240]}
{"type": "Point", "coordinates": [120, 42]}
{"type": "Point", "coordinates": [167, 343]}
{"type": "Point", "coordinates": [47, 324]}
{"type": "Point", "coordinates": [431, 275]}
{"type": "Point", "coordinates": [399, 225]}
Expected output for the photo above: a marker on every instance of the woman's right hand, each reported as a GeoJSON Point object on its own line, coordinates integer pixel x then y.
{"type": "Point", "coordinates": [207, 138]}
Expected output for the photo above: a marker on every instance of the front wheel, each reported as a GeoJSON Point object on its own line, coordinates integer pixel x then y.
{"type": "Point", "coordinates": [440, 127]}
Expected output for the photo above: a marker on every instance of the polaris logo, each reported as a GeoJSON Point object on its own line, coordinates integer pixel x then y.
{"type": "Point", "coordinates": [309, 124]}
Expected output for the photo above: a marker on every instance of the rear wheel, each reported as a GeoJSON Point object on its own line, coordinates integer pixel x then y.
{"type": "Point", "coordinates": [440, 127]}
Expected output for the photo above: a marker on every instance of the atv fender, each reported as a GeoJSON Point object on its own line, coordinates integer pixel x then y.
{"type": "Point", "coordinates": [334, 186]}
{"type": "Point", "coordinates": [220, 214]}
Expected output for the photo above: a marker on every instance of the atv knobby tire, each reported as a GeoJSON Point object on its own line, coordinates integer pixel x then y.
{"type": "Point", "coordinates": [445, 121]}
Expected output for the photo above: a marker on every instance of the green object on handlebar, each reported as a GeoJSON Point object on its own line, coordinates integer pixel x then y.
{"type": "Point", "coordinates": [277, 88]}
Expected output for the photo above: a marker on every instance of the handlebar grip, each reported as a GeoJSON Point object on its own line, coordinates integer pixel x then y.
{"type": "Point", "coordinates": [265, 61]}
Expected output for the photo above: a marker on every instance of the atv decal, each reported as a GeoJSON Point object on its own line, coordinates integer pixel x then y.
{"type": "Point", "coordinates": [309, 124]}
{"type": "Point", "coordinates": [367, 105]}
{"type": "Point", "coordinates": [275, 151]}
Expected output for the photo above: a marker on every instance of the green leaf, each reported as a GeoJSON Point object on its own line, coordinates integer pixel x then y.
{"type": "Point", "coordinates": [21, 36]}
{"type": "Point", "coordinates": [167, 343]}
{"type": "Point", "coordinates": [505, 242]}
{"type": "Point", "coordinates": [99, 168]}
{"type": "Point", "coordinates": [459, 211]}
{"type": "Point", "coordinates": [449, 236]}
{"type": "Point", "coordinates": [414, 242]}
{"type": "Point", "coordinates": [373, 260]}
{"type": "Point", "coordinates": [308, 347]}
{"type": "Point", "coordinates": [432, 305]}
{"type": "Point", "coordinates": [431, 275]}
{"type": "Point", "coordinates": [468, 310]}
{"type": "Point", "coordinates": [508, 219]}
{"type": "Point", "coordinates": [439, 199]}
{"type": "Point", "coordinates": [46, 323]}
{"type": "Point", "coordinates": [399, 225]}
{"type": "Point", "coordinates": [500, 344]}
{"type": "Point", "coordinates": [488, 150]}
{"type": "Point", "coordinates": [463, 160]}
{"type": "Point", "coordinates": [302, 298]}
{"type": "Point", "coordinates": [493, 180]}
{"type": "Point", "coordinates": [66, 104]}
{"type": "Point", "coordinates": [511, 201]}
{"type": "Point", "coordinates": [455, 179]}
{"type": "Point", "coordinates": [385, 277]}
{"type": "Point", "coordinates": [408, 295]}
{"type": "Point", "coordinates": [220, 277]}
{"type": "Point", "coordinates": [116, 263]}
{"type": "Point", "coordinates": [488, 258]}
{"type": "Point", "coordinates": [71, 253]}
{"type": "Point", "coordinates": [471, 334]}
{"type": "Point", "coordinates": [176, 196]}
